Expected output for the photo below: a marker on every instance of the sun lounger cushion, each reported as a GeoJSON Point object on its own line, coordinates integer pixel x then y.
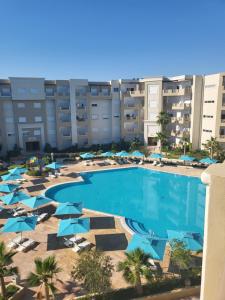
{"type": "Point", "coordinates": [42, 217]}
{"type": "Point", "coordinates": [26, 245]}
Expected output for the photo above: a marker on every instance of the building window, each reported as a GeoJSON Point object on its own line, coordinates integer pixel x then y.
{"type": "Point", "coordinates": [22, 119]}
{"type": "Point", "coordinates": [21, 105]}
{"type": "Point", "coordinates": [5, 92]}
{"type": "Point", "coordinates": [94, 129]}
{"type": "Point", "coordinates": [37, 132]}
{"type": "Point", "coordinates": [94, 92]}
{"type": "Point", "coordinates": [37, 105]}
{"type": "Point", "coordinates": [49, 91]}
{"type": "Point", "coordinates": [116, 116]}
{"type": "Point", "coordinates": [34, 91]}
{"type": "Point", "coordinates": [105, 117]}
{"type": "Point", "coordinates": [22, 91]}
{"type": "Point", "coordinates": [38, 119]}
{"type": "Point", "coordinates": [115, 90]}
{"type": "Point", "coordinates": [209, 101]}
{"type": "Point", "coordinates": [94, 117]}
{"type": "Point", "coordinates": [207, 116]}
{"type": "Point", "coordinates": [94, 104]}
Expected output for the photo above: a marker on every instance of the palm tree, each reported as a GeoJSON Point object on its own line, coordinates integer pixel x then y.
{"type": "Point", "coordinates": [163, 119]}
{"type": "Point", "coordinates": [180, 255]}
{"type": "Point", "coordinates": [5, 267]}
{"type": "Point", "coordinates": [45, 271]}
{"type": "Point", "coordinates": [161, 138]}
{"type": "Point", "coordinates": [134, 267]}
{"type": "Point", "coordinates": [213, 146]}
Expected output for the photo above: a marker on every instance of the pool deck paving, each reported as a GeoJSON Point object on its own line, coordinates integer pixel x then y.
{"type": "Point", "coordinates": [107, 233]}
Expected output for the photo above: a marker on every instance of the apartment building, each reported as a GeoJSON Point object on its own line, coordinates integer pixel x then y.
{"type": "Point", "coordinates": [213, 116]}
{"type": "Point", "coordinates": [62, 113]}
{"type": "Point", "coordinates": [181, 98]}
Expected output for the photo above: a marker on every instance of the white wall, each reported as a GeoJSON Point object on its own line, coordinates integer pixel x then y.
{"type": "Point", "coordinates": [27, 88]}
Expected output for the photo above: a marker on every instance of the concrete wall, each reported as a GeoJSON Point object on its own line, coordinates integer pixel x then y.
{"type": "Point", "coordinates": [213, 269]}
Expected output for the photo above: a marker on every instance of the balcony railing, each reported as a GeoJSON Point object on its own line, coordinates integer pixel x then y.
{"type": "Point", "coordinates": [177, 92]}
{"type": "Point", "coordinates": [222, 136]}
{"type": "Point", "coordinates": [222, 120]}
{"type": "Point", "coordinates": [81, 106]}
{"type": "Point", "coordinates": [82, 133]}
{"type": "Point", "coordinates": [65, 120]}
{"type": "Point", "coordinates": [137, 93]}
{"type": "Point", "coordinates": [64, 107]}
{"type": "Point", "coordinates": [129, 104]}
{"type": "Point", "coordinates": [181, 106]}
{"type": "Point", "coordinates": [81, 119]}
{"type": "Point", "coordinates": [183, 120]}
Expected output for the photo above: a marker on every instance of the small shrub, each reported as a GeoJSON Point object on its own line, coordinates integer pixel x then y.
{"type": "Point", "coordinates": [36, 173]}
{"type": "Point", "coordinates": [11, 290]}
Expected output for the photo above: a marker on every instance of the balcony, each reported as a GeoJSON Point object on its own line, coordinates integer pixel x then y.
{"type": "Point", "coordinates": [137, 93]}
{"type": "Point", "coordinates": [64, 107]}
{"type": "Point", "coordinates": [81, 106]}
{"type": "Point", "coordinates": [5, 93]}
{"type": "Point", "coordinates": [181, 106]}
{"type": "Point", "coordinates": [173, 120]}
{"type": "Point", "coordinates": [82, 131]}
{"type": "Point", "coordinates": [81, 118]}
{"type": "Point", "coordinates": [222, 120]}
{"type": "Point", "coordinates": [130, 104]}
{"type": "Point", "coordinates": [130, 117]}
{"type": "Point", "coordinates": [177, 92]}
{"type": "Point", "coordinates": [179, 134]}
{"type": "Point", "coordinates": [183, 120]}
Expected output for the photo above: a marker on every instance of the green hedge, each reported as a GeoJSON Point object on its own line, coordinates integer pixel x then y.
{"type": "Point", "coordinates": [157, 287]}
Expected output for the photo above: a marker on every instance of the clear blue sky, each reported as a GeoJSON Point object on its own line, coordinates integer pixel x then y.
{"type": "Point", "coordinates": [103, 40]}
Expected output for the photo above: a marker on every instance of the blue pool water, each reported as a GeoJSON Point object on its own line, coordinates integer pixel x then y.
{"type": "Point", "coordinates": [158, 200]}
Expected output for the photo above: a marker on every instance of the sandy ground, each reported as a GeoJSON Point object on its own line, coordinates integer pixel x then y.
{"type": "Point", "coordinates": [107, 232]}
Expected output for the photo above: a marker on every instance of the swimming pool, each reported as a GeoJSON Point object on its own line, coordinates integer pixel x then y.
{"type": "Point", "coordinates": [160, 201]}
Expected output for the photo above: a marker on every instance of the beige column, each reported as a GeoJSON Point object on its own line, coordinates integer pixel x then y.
{"type": "Point", "coordinates": [213, 270]}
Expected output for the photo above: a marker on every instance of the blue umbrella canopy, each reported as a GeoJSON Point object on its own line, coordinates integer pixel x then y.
{"type": "Point", "coordinates": [107, 154]}
{"type": "Point", "coordinates": [54, 166]}
{"type": "Point", "coordinates": [18, 171]}
{"type": "Point", "coordinates": [122, 154]}
{"type": "Point", "coordinates": [8, 187]}
{"type": "Point", "coordinates": [87, 156]}
{"type": "Point", "coordinates": [69, 208]}
{"type": "Point", "coordinates": [20, 224]}
{"type": "Point", "coordinates": [14, 197]}
{"type": "Point", "coordinates": [11, 177]}
{"type": "Point", "coordinates": [208, 161]}
{"type": "Point", "coordinates": [149, 244]}
{"type": "Point", "coordinates": [73, 226]}
{"type": "Point", "coordinates": [156, 156]}
{"type": "Point", "coordinates": [137, 154]}
{"type": "Point", "coordinates": [37, 201]}
{"type": "Point", "coordinates": [186, 158]}
{"type": "Point", "coordinates": [192, 240]}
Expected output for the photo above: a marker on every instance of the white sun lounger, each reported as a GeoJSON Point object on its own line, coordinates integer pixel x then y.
{"type": "Point", "coordinates": [25, 246]}
{"type": "Point", "coordinates": [13, 244]}
{"type": "Point", "coordinates": [153, 266]}
{"type": "Point", "coordinates": [76, 248]}
{"type": "Point", "coordinates": [42, 217]}
{"type": "Point", "coordinates": [19, 212]}
{"type": "Point", "coordinates": [84, 245]}
{"type": "Point", "coordinates": [72, 241]}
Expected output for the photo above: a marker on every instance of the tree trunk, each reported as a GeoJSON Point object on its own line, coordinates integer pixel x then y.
{"type": "Point", "coordinates": [138, 284]}
{"type": "Point", "coordinates": [211, 153]}
{"type": "Point", "coordinates": [184, 149]}
{"type": "Point", "coordinates": [47, 297]}
{"type": "Point", "coordinates": [3, 289]}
